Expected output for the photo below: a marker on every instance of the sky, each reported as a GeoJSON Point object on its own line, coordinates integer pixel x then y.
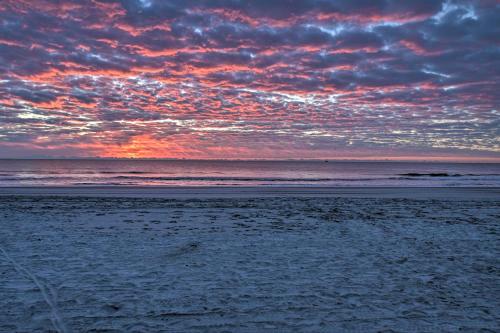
{"type": "Point", "coordinates": [266, 79]}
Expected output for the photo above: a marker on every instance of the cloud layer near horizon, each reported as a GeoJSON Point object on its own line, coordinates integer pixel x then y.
{"type": "Point", "coordinates": [249, 79]}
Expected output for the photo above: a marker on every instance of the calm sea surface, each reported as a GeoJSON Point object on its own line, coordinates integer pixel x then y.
{"type": "Point", "coordinates": [243, 173]}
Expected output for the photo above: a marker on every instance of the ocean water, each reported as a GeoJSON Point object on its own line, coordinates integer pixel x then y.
{"type": "Point", "coordinates": [108, 172]}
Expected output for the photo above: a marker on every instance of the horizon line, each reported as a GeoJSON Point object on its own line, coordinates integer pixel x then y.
{"type": "Point", "coordinates": [325, 160]}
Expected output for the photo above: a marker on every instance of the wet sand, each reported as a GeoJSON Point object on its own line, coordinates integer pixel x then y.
{"type": "Point", "coordinates": [284, 260]}
{"type": "Point", "coordinates": [200, 192]}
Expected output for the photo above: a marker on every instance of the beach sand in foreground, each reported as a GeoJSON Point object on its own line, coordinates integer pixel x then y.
{"type": "Point", "coordinates": [248, 264]}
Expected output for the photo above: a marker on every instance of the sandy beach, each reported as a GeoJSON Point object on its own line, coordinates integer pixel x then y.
{"type": "Point", "coordinates": [249, 260]}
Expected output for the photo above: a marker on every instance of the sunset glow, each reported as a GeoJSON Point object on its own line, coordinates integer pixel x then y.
{"type": "Point", "coordinates": [268, 79]}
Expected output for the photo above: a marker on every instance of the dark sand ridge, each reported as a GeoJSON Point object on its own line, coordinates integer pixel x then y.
{"type": "Point", "coordinates": [438, 193]}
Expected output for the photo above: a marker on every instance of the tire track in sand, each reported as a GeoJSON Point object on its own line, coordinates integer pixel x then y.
{"type": "Point", "coordinates": [48, 293]}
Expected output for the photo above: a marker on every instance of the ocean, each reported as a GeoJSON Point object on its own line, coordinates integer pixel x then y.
{"type": "Point", "coordinates": [136, 172]}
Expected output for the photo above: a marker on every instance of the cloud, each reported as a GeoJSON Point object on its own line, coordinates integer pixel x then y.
{"type": "Point", "coordinates": [216, 77]}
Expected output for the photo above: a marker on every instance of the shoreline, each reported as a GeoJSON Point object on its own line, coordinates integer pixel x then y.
{"type": "Point", "coordinates": [209, 192]}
